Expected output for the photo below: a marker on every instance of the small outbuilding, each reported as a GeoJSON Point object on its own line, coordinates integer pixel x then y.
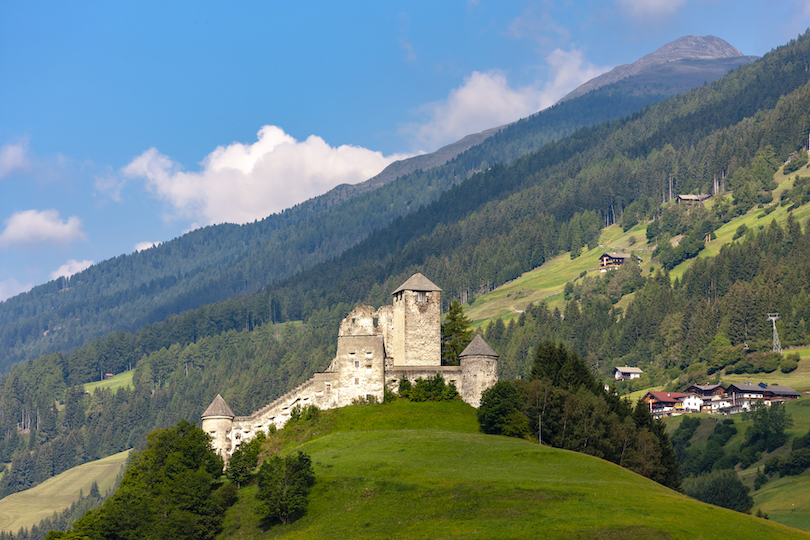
{"type": "Point", "coordinates": [691, 199]}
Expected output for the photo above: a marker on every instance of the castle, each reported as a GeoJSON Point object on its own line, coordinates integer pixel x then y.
{"type": "Point", "coordinates": [375, 349]}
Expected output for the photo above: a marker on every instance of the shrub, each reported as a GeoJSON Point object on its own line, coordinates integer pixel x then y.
{"type": "Point", "coordinates": [499, 405]}
{"type": "Point", "coordinates": [721, 488]}
{"type": "Point", "coordinates": [284, 484]}
{"type": "Point", "coordinates": [790, 363]}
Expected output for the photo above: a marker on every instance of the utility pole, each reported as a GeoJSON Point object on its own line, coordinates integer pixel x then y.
{"type": "Point", "coordinates": [777, 346]}
{"type": "Point", "coordinates": [540, 428]}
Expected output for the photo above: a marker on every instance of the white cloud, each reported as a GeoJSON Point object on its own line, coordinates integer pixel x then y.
{"type": "Point", "coordinates": [650, 9]}
{"type": "Point", "coordinates": [12, 287]}
{"type": "Point", "coordinates": [13, 157]}
{"type": "Point", "coordinates": [538, 25]}
{"type": "Point", "coordinates": [140, 246]}
{"type": "Point", "coordinates": [486, 100]}
{"type": "Point", "coordinates": [239, 183]}
{"type": "Point", "coordinates": [71, 267]}
{"type": "Point", "coordinates": [32, 226]}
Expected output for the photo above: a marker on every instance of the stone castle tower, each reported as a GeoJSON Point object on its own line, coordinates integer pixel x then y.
{"type": "Point", "coordinates": [376, 349]}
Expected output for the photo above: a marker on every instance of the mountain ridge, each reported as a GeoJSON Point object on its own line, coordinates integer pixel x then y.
{"type": "Point", "coordinates": [707, 50]}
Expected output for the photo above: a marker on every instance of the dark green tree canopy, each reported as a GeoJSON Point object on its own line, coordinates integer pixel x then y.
{"type": "Point", "coordinates": [456, 334]}
{"type": "Point", "coordinates": [284, 484]}
{"type": "Point", "coordinates": [170, 490]}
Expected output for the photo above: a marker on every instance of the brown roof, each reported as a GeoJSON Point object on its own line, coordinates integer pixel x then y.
{"type": "Point", "coordinates": [478, 347]}
{"type": "Point", "coordinates": [628, 369]}
{"type": "Point", "coordinates": [218, 407]}
{"type": "Point", "coordinates": [417, 282]}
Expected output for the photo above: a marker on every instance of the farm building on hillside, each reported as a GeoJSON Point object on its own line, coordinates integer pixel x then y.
{"type": "Point", "coordinates": [691, 199]}
{"type": "Point", "coordinates": [626, 372]}
{"type": "Point", "coordinates": [613, 260]}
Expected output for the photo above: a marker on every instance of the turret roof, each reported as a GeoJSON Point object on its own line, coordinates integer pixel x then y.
{"type": "Point", "coordinates": [478, 347]}
{"type": "Point", "coordinates": [417, 282]}
{"type": "Point", "coordinates": [218, 407]}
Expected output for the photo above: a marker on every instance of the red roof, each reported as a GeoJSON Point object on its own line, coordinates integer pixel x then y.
{"type": "Point", "coordinates": [667, 397]}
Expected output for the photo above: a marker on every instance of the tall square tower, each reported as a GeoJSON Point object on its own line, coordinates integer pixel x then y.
{"type": "Point", "coordinates": [417, 333]}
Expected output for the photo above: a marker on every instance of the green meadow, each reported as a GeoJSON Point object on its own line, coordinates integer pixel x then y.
{"type": "Point", "coordinates": [445, 480]}
{"type": "Point", "coordinates": [29, 507]}
{"type": "Point", "coordinates": [122, 380]}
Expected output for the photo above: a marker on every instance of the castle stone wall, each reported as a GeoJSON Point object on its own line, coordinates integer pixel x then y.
{"type": "Point", "coordinates": [478, 374]}
{"type": "Point", "coordinates": [375, 349]}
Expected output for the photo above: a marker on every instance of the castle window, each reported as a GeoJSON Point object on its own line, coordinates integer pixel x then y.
{"type": "Point", "coordinates": [421, 297]}
{"type": "Point", "coordinates": [328, 387]}
{"type": "Point", "coordinates": [375, 321]}
{"type": "Point", "coordinates": [357, 381]}
{"type": "Point", "coordinates": [368, 354]}
{"type": "Point", "coordinates": [357, 364]}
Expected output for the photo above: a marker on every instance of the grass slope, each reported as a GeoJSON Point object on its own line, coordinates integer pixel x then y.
{"type": "Point", "coordinates": [122, 380]}
{"type": "Point", "coordinates": [545, 283]}
{"type": "Point", "coordinates": [29, 507]}
{"type": "Point", "coordinates": [382, 475]}
{"type": "Point", "coordinates": [785, 500]}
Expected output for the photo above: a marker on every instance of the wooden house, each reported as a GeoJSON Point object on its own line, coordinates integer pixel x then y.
{"type": "Point", "coordinates": [664, 403]}
{"type": "Point", "coordinates": [613, 260]}
{"type": "Point", "coordinates": [691, 199]}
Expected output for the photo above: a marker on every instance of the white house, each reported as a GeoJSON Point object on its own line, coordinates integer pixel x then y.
{"type": "Point", "coordinates": [626, 372]}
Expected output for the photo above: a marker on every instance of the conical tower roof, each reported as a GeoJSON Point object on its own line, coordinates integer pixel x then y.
{"type": "Point", "coordinates": [417, 282]}
{"type": "Point", "coordinates": [218, 407]}
{"type": "Point", "coordinates": [478, 347]}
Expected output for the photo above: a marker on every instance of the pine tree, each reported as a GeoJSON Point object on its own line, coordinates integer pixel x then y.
{"type": "Point", "coordinates": [456, 334]}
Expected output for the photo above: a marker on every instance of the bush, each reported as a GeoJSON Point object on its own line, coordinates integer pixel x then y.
{"type": "Point", "coordinates": [796, 463]}
{"type": "Point", "coordinates": [432, 389]}
{"type": "Point", "coordinates": [284, 486]}
{"type": "Point", "coordinates": [721, 488]}
{"type": "Point", "coordinates": [789, 363]}
{"type": "Point", "coordinates": [499, 410]}
{"type": "Point", "coordinates": [760, 480]}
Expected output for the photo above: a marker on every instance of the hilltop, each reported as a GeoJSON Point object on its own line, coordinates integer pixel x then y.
{"type": "Point", "coordinates": [425, 472]}
{"type": "Point", "coordinates": [693, 60]}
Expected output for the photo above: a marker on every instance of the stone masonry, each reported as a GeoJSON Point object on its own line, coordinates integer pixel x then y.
{"type": "Point", "coordinates": [375, 349]}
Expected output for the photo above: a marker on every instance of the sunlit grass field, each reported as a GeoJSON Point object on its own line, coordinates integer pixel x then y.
{"type": "Point", "coordinates": [445, 480]}
{"type": "Point", "coordinates": [122, 380]}
{"type": "Point", "coordinates": [29, 507]}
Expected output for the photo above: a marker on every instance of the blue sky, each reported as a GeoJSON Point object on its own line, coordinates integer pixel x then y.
{"type": "Point", "coordinates": [126, 124]}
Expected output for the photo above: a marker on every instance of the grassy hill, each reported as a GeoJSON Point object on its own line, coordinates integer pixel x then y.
{"type": "Point", "coordinates": [29, 507]}
{"type": "Point", "coordinates": [421, 470]}
{"type": "Point", "coordinates": [546, 283]}
{"type": "Point", "coordinates": [786, 500]}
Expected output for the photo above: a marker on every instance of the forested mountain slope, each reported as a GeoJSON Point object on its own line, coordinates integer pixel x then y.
{"type": "Point", "coordinates": [218, 262]}
{"type": "Point", "coordinates": [487, 229]}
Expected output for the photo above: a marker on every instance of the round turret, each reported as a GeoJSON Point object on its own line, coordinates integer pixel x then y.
{"type": "Point", "coordinates": [217, 422]}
